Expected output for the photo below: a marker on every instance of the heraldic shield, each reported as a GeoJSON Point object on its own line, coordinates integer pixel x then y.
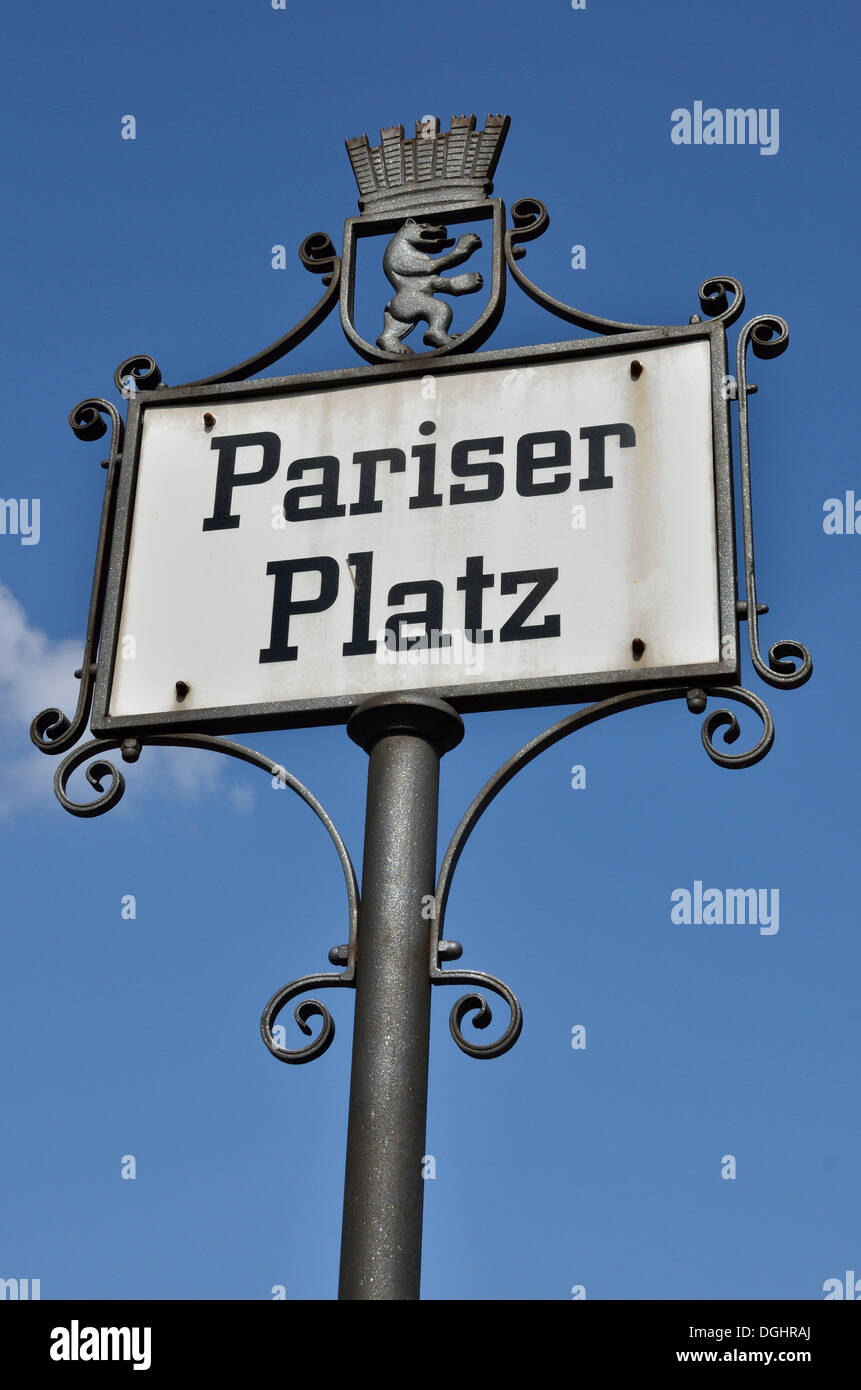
{"type": "Point", "coordinates": [412, 191]}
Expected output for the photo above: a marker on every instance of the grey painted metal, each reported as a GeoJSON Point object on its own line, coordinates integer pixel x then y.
{"type": "Point", "coordinates": [411, 188]}
{"type": "Point", "coordinates": [768, 335]}
{"type": "Point", "coordinates": [51, 730]}
{"type": "Point", "coordinates": [412, 175]}
{"type": "Point", "coordinates": [355, 228]}
{"type": "Point", "coordinates": [413, 261]}
{"type": "Point", "coordinates": [531, 219]}
{"type": "Point", "coordinates": [383, 1189]}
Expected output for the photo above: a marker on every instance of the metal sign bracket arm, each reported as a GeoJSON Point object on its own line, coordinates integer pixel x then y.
{"type": "Point", "coordinates": [447, 950]}
{"type": "Point", "coordinates": [100, 770]}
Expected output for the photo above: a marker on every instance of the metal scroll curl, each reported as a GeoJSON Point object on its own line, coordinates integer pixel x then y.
{"type": "Point", "coordinates": [477, 1005]}
{"type": "Point", "coordinates": [52, 731]}
{"type": "Point", "coordinates": [100, 770]}
{"type": "Point", "coordinates": [308, 1008]}
{"type": "Point", "coordinates": [138, 373]}
{"type": "Point", "coordinates": [789, 661]}
{"type": "Point", "coordinates": [531, 219]}
{"type": "Point", "coordinates": [726, 719]}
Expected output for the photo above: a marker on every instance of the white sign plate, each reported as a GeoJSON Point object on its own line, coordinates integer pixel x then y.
{"type": "Point", "coordinates": [494, 534]}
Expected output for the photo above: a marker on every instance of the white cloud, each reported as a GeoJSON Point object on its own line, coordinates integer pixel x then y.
{"type": "Point", "coordinates": [36, 673]}
{"type": "Point", "coordinates": [241, 798]}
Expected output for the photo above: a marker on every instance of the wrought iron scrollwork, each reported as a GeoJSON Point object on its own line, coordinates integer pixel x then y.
{"type": "Point", "coordinates": [319, 256]}
{"type": "Point", "coordinates": [346, 955]}
{"type": "Point", "coordinates": [476, 1004]}
{"type": "Point", "coordinates": [141, 370]}
{"type": "Point", "coordinates": [52, 731]}
{"type": "Point", "coordinates": [443, 950]}
{"type": "Point", "coordinates": [714, 302]}
{"type": "Point", "coordinates": [100, 769]}
{"type": "Point", "coordinates": [531, 219]}
{"type": "Point", "coordinates": [308, 1008]}
{"type": "Point", "coordinates": [726, 719]}
{"type": "Point", "coordinates": [789, 661]}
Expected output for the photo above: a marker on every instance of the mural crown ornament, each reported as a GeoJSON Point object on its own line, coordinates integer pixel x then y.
{"type": "Point", "coordinates": [454, 167]}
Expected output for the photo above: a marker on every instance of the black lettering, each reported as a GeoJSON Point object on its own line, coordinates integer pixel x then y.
{"type": "Point", "coordinates": [430, 616]}
{"type": "Point", "coordinates": [227, 478]}
{"type": "Point", "coordinates": [488, 468]}
{"type": "Point", "coordinates": [326, 490]}
{"type": "Point", "coordinates": [367, 461]}
{"type": "Point", "coordinates": [426, 455]}
{"type": "Point", "coordinates": [284, 606]}
{"type": "Point", "coordinates": [527, 463]}
{"type": "Point", "coordinates": [360, 643]}
{"type": "Point", "coordinates": [542, 581]}
{"type": "Point", "coordinates": [473, 583]}
{"type": "Point", "coordinates": [597, 436]}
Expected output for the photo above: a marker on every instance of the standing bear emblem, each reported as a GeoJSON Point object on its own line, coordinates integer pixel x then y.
{"type": "Point", "coordinates": [415, 274]}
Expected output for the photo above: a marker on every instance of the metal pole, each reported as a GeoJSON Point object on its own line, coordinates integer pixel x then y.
{"type": "Point", "coordinates": [383, 1189]}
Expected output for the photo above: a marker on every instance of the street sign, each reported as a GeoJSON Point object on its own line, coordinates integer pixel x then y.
{"type": "Point", "coordinates": [509, 528]}
{"type": "Point", "coordinates": [441, 531]}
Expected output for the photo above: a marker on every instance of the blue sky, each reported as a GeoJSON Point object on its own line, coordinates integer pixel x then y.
{"type": "Point", "coordinates": [555, 1167]}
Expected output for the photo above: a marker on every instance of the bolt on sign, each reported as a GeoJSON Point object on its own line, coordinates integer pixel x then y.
{"type": "Point", "coordinates": [529, 526]}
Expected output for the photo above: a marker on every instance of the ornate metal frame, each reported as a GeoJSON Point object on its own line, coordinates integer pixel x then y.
{"type": "Point", "coordinates": [788, 664]}
{"type": "Point", "coordinates": [482, 695]}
